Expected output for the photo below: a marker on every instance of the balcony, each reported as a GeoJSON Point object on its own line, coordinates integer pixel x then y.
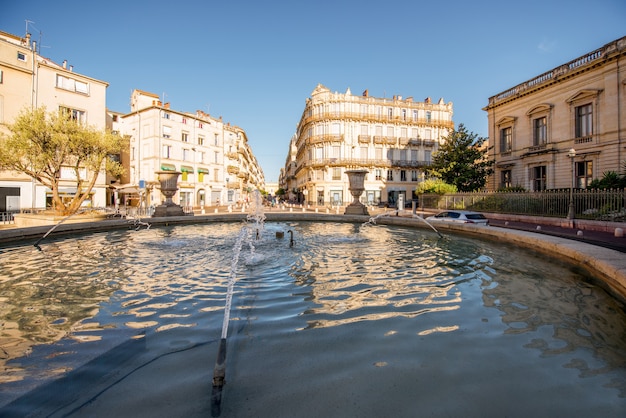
{"type": "Point", "coordinates": [231, 169]}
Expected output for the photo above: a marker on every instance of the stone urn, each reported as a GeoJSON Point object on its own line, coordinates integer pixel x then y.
{"type": "Point", "coordinates": [169, 187]}
{"type": "Point", "coordinates": [356, 186]}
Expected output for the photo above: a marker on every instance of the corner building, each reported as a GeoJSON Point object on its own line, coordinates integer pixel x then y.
{"type": "Point", "coordinates": [215, 158]}
{"type": "Point", "coordinates": [564, 127]}
{"type": "Point", "coordinates": [393, 138]}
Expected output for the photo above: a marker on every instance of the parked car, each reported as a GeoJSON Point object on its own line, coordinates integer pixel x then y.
{"type": "Point", "coordinates": [461, 216]}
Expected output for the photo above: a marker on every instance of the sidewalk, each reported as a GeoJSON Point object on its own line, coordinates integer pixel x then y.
{"type": "Point", "coordinates": [599, 238]}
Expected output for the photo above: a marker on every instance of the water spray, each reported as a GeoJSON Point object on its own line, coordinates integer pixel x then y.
{"type": "Point", "coordinates": [36, 244]}
{"type": "Point", "coordinates": [219, 370]}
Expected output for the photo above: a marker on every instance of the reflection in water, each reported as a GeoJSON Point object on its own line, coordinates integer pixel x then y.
{"type": "Point", "coordinates": [76, 297]}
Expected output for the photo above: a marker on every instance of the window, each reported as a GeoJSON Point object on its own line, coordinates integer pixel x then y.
{"type": "Point", "coordinates": [402, 175]}
{"type": "Point", "coordinates": [166, 115]}
{"type": "Point", "coordinates": [184, 121]}
{"type": "Point", "coordinates": [539, 178]}
{"type": "Point", "coordinates": [216, 141]}
{"type": "Point", "coordinates": [216, 174]}
{"type": "Point", "coordinates": [21, 56]}
{"type": "Point", "coordinates": [505, 179]}
{"type": "Point", "coordinates": [200, 140]}
{"type": "Point", "coordinates": [167, 151]}
{"type": "Point", "coordinates": [584, 174]}
{"type": "Point", "coordinates": [186, 155]}
{"type": "Point", "coordinates": [335, 151]}
{"type": "Point", "coordinates": [1, 76]}
{"type": "Point", "coordinates": [71, 84]}
{"type": "Point", "coordinates": [379, 175]}
{"type": "Point", "coordinates": [216, 157]}
{"type": "Point", "coordinates": [167, 132]}
{"type": "Point", "coordinates": [403, 114]}
{"type": "Point", "coordinates": [413, 175]}
{"type": "Point", "coordinates": [506, 139]}
{"type": "Point", "coordinates": [415, 115]}
{"type": "Point", "coordinates": [540, 131]}
{"type": "Point", "coordinates": [336, 173]}
{"type": "Point", "coordinates": [82, 87]}
{"type": "Point", "coordinates": [428, 117]}
{"type": "Point", "coordinates": [390, 175]}
{"type": "Point", "coordinates": [184, 137]}
{"type": "Point", "coordinates": [74, 114]}
{"type": "Point", "coordinates": [584, 123]}
{"type": "Point", "coordinates": [390, 113]}
{"type": "Point", "coordinates": [427, 156]}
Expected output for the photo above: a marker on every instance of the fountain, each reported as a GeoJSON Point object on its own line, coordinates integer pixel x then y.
{"type": "Point", "coordinates": [356, 187]}
{"type": "Point", "coordinates": [327, 317]}
{"type": "Point", "coordinates": [169, 186]}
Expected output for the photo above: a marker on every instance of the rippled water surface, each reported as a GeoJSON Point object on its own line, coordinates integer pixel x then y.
{"type": "Point", "coordinates": [352, 320]}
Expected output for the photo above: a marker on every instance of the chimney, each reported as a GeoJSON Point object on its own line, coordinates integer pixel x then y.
{"type": "Point", "coordinates": [71, 68]}
{"type": "Point", "coordinates": [64, 63]}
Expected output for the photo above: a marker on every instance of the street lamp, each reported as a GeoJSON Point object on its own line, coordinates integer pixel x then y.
{"type": "Point", "coordinates": [570, 214]}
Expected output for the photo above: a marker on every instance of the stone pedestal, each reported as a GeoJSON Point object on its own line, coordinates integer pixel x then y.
{"type": "Point", "coordinates": [169, 186]}
{"type": "Point", "coordinates": [356, 187]}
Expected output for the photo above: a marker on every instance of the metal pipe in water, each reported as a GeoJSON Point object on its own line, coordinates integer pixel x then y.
{"type": "Point", "coordinates": [219, 370]}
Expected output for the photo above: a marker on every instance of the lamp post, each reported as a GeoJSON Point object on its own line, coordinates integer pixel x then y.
{"type": "Point", "coordinates": [570, 214]}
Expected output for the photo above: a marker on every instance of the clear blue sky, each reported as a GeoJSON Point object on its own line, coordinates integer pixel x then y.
{"type": "Point", "coordinates": [256, 62]}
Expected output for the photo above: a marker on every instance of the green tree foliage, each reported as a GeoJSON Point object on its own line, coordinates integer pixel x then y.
{"type": "Point", "coordinates": [462, 160]}
{"type": "Point", "coordinates": [41, 144]}
{"type": "Point", "coordinates": [437, 186]}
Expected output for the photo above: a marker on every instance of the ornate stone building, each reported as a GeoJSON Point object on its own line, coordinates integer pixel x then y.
{"type": "Point", "coordinates": [393, 138]}
{"type": "Point", "coordinates": [564, 127]}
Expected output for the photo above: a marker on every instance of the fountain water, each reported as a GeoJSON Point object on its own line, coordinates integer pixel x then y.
{"type": "Point", "coordinates": [219, 371]}
{"type": "Point", "coordinates": [447, 327]}
{"type": "Point", "coordinates": [372, 220]}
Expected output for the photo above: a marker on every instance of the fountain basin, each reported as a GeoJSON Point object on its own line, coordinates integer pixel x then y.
{"type": "Point", "coordinates": [327, 328]}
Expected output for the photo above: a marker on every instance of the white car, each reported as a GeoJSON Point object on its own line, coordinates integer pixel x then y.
{"type": "Point", "coordinates": [460, 216]}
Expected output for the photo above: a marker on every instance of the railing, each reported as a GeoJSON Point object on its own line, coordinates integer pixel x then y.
{"type": "Point", "coordinates": [6, 218]}
{"type": "Point", "coordinates": [603, 205]}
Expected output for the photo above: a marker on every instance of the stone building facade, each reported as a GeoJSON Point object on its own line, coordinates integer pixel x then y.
{"type": "Point", "coordinates": [564, 127]}
{"type": "Point", "coordinates": [393, 138]}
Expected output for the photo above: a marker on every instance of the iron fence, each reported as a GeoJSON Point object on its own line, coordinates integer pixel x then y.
{"type": "Point", "coordinates": [595, 204]}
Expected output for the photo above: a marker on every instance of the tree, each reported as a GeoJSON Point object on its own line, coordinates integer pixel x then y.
{"type": "Point", "coordinates": [437, 186]}
{"type": "Point", "coordinates": [462, 161]}
{"type": "Point", "coordinates": [42, 144]}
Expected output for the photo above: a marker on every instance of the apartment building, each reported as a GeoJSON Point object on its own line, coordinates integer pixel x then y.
{"type": "Point", "coordinates": [393, 138]}
{"type": "Point", "coordinates": [28, 81]}
{"type": "Point", "coordinates": [215, 159]}
{"type": "Point", "coordinates": [562, 128]}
